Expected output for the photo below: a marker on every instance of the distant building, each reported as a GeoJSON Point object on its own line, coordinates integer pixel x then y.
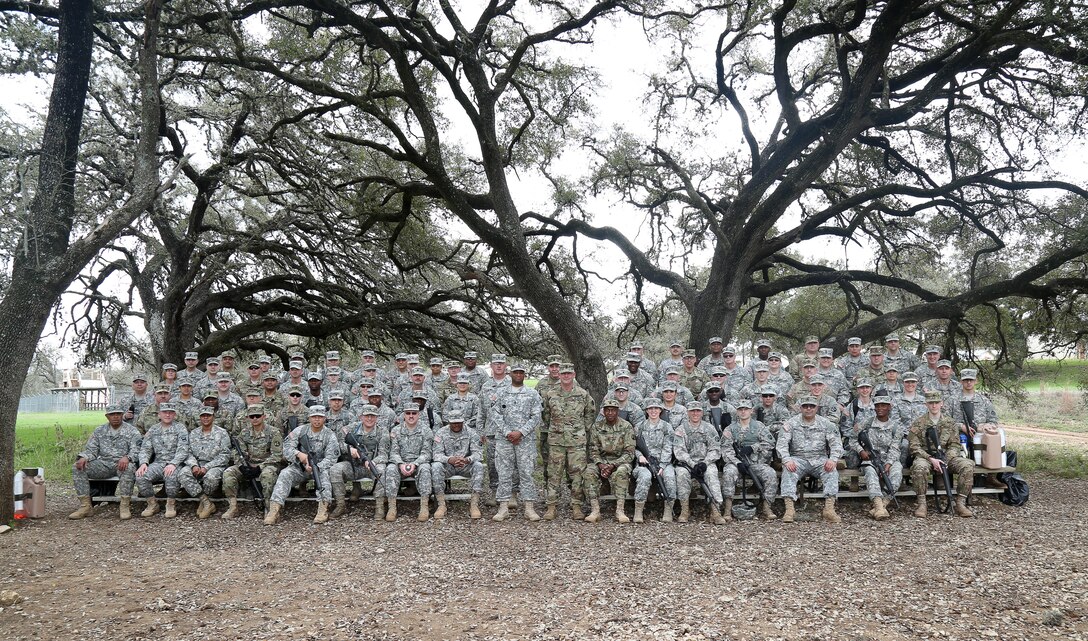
{"type": "Point", "coordinates": [90, 386]}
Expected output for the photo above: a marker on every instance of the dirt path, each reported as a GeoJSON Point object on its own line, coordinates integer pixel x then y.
{"type": "Point", "coordinates": [1040, 434]}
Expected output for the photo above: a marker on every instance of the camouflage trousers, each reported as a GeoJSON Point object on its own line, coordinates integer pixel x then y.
{"type": "Point", "coordinates": [293, 475]}
{"type": "Point", "coordinates": [393, 478]}
{"type": "Point", "coordinates": [808, 467]}
{"type": "Point", "coordinates": [684, 483]}
{"type": "Point", "coordinates": [872, 479]}
{"type": "Point", "coordinates": [442, 471]}
{"type": "Point", "coordinates": [346, 472]}
{"type": "Point", "coordinates": [493, 465]}
{"type": "Point", "coordinates": [765, 473]}
{"type": "Point", "coordinates": [156, 473]}
{"type": "Point", "coordinates": [959, 467]}
{"type": "Point", "coordinates": [232, 478]}
{"type": "Point", "coordinates": [516, 464]}
{"type": "Point", "coordinates": [103, 469]}
{"type": "Point", "coordinates": [643, 480]}
{"type": "Point", "coordinates": [618, 480]}
{"type": "Point", "coordinates": [206, 484]}
{"type": "Point", "coordinates": [571, 460]}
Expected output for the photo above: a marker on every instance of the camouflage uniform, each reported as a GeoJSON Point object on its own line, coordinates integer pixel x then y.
{"type": "Point", "coordinates": [517, 409]}
{"type": "Point", "coordinates": [642, 383]}
{"type": "Point", "coordinates": [338, 421]}
{"type": "Point", "coordinates": [658, 436]}
{"type": "Point", "coordinates": [950, 394]}
{"type": "Point", "coordinates": [984, 410]}
{"type": "Point", "coordinates": [283, 419]}
{"type": "Point", "coordinates": [710, 361]}
{"type": "Point", "coordinates": [630, 412]}
{"type": "Point", "coordinates": [467, 444]}
{"type": "Point", "coordinates": [759, 438]}
{"type": "Point", "coordinates": [567, 416]}
{"type": "Point", "coordinates": [773, 418]}
{"type": "Point", "coordinates": [376, 444]}
{"type": "Point", "coordinates": [720, 415]}
{"type": "Point", "coordinates": [948, 437]}
{"type": "Point", "coordinates": [102, 452]}
{"type": "Point", "coordinates": [851, 365]}
{"type": "Point", "coordinates": [695, 380]}
{"type": "Point", "coordinates": [264, 448]}
{"type": "Point", "coordinates": [694, 444]}
{"type": "Point", "coordinates": [675, 415]}
{"type": "Point", "coordinates": [325, 450]}
{"type": "Point", "coordinates": [409, 446]}
{"type": "Point", "coordinates": [610, 445]}
{"type": "Point", "coordinates": [486, 425]}
{"type": "Point", "coordinates": [809, 445]}
{"type": "Point", "coordinates": [904, 360]}
{"type": "Point", "coordinates": [210, 450]}
{"type": "Point", "coordinates": [470, 407]}
{"type": "Point", "coordinates": [274, 404]}
{"type": "Point", "coordinates": [138, 403]}
{"type": "Point", "coordinates": [886, 439]}
{"type": "Point", "coordinates": [231, 404]}
{"type": "Point", "coordinates": [477, 375]}
{"type": "Point", "coordinates": [169, 445]}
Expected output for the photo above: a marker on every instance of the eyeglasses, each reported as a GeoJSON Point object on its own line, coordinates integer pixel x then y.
{"type": "Point", "coordinates": [768, 395]}
{"type": "Point", "coordinates": [296, 395]}
{"type": "Point", "coordinates": [256, 415]}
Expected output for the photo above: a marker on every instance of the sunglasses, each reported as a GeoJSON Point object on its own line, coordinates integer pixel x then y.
{"type": "Point", "coordinates": [296, 395]}
{"type": "Point", "coordinates": [256, 415]}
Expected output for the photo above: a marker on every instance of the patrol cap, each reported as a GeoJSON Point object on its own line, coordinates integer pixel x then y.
{"type": "Point", "coordinates": [969, 374]}
{"type": "Point", "coordinates": [774, 355]}
{"type": "Point", "coordinates": [463, 378]}
{"type": "Point", "coordinates": [807, 400]}
{"type": "Point", "coordinates": [719, 371]}
{"type": "Point", "coordinates": [672, 370]}
{"type": "Point", "coordinates": [934, 397]}
{"type": "Point", "coordinates": [230, 353]}
{"type": "Point", "coordinates": [212, 360]}
{"type": "Point", "coordinates": [294, 365]}
{"type": "Point", "coordinates": [410, 407]}
{"type": "Point", "coordinates": [370, 367]}
{"type": "Point", "coordinates": [365, 381]}
{"type": "Point", "coordinates": [336, 395]}
{"type": "Point", "coordinates": [253, 392]}
{"type": "Point", "coordinates": [713, 385]}
{"type": "Point", "coordinates": [437, 360]}
{"type": "Point", "coordinates": [743, 404]}
{"type": "Point", "coordinates": [768, 390]}
{"type": "Point", "coordinates": [694, 406]}
{"type": "Point", "coordinates": [369, 410]}
{"type": "Point", "coordinates": [635, 345]}
{"type": "Point", "coordinates": [864, 382]}
{"type": "Point", "coordinates": [763, 342]}
{"type": "Point", "coordinates": [375, 392]}
{"type": "Point", "coordinates": [932, 349]}
{"type": "Point", "coordinates": [882, 399]}
{"type": "Point", "coordinates": [314, 376]}
{"type": "Point", "coordinates": [688, 353]}
{"type": "Point", "coordinates": [418, 371]}
{"type": "Point", "coordinates": [517, 367]}
{"type": "Point", "coordinates": [317, 410]}
{"type": "Point", "coordinates": [367, 353]}
{"type": "Point", "coordinates": [254, 365]}
{"type": "Point", "coordinates": [419, 394]}
{"type": "Point", "coordinates": [853, 340]}
{"type": "Point", "coordinates": [634, 356]}
{"type": "Point", "coordinates": [185, 380]}
{"type": "Point", "coordinates": [192, 356]}
{"type": "Point", "coordinates": [826, 352]}
{"type": "Point", "coordinates": [944, 363]}
{"type": "Point", "coordinates": [876, 350]}
{"type": "Point", "coordinates": [891, 337]}
{"type": "Point", "coordinates": [270, 375]}
{"type": "Point", "coordinates": [413, 358]}
{"type": "Point", "coordinates": [114, 408]}
{"type": "Point", "coordinates": [453, 365]}
{"type": "Point", "coordinates": [162, 387]}
{"type": "Point", "coordinates": [566, 367]}
{"type": "Point", "coordinates": [210, 394]}
{"type": "Point", "coordinates": [808, 362]}
{"type": "Point", "coordinates": [470, 355]}
{"type": "Point", "coordinates": [669, 386]}
{"type": "Point", "coordinates": [811, 339]}
{"type": "Point", "coordinates": [675, 343]}
{"type": "Point", "coordinates": [166, 366]}
{"type": "Point", "coordinates": [653, 402]}
{"type": "Point", "coordinates": [610, 402]}
{"type": "Point", "coordinates": [265, 359]}
{"type": "Point", "coordinates": [455, 416]}
{"type": "Point", "coordinates": [401, 356]}
{"type": "Point", "coordinates": [762, 366]}
{"type": "Point", "coordinates": [254, 408]}
{"type": "Point", "coordinates": [294, 389]}
{"type": "Point", "coordinates": [715, 339]}
{"type": "Point", "coordinates": [621, 373]}
{"type": "Point", "coordinates": [910, 376]}
{"type": "Point", "coordinates": [730, 350]}
{"type": "Point", "coordinates": [206, 410]}
{"type": "Point", "coordinates": [891, 367]}
{"type": "Point", "coordinates": [333, 371]}
{"type": "Point", "coordinates": [620, 387]}
{"type": "Point", "coordinates": [168, 407]}
{"type": "Point", "coordinates": [554, 359]}
{"type": "Point", "coordinates": [498, 358]}
{"type": "Point", "coordinates": [297, 355]}
{"type": "Point", "coordinates": [817, 379]}
{"type": "Point", "coordinates": [332, 355]}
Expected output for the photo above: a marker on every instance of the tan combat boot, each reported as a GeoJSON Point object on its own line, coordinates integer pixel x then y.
{"type": "Point", "coordinates": [489, 500]}
{"type": "Point", "coordinates": [666, 513]}
{"type": "Point", "coordinates": [232, 508]}
{"type": "Point", "coordinates": [273, 515]}
{"type": "Point", "coordinates": [576, 511]}
{"type": "Point", "coordinates": [211, 508]}
{"type": "Point", "coordinates": [880, 512]}
{"type": "Point", "coordinates": [379, 508]}
{"type": "Point", "coordinates": [549, 514]}
{"type": "Point", "coordinates": [171, 508]}
{"type": "Point", "coordinates": [152, 507]}
{"type": "Point", "coordinates": [474, 506]}
{"type": "Point", "coordinates": [502, 513]}
{"type": "Point", "coordinates": [126, 508]}
{"type": "Point", "coordinates": [440, 510]}
{"type": "Point", "coordinates": [594, 511]}
{"type": "Point", "coordinates": [685, 511]}
{"type": "Point", "coordinates": [530, 511]}
{"type": "Point", "coordinates": [715, 515]}
{"type": "Point", "coordinates": [202, 507]}
{"type": "Point", "coordinates": [322, 512]}
{"type": "Point", "coordinates": [339, 508]}
{"type": "Point", "coordinates": [787, 516]}
{"type": "Point", "coordinates": [766, 512]}
{"type": "Point", "coordinates": [920, 508]}
{"type": "Point", "coordinates": [391, 515]}
{"type": "Point", "coordinates": [829, 510]}
{"type": "Point", "coordinates": [424, 508]}
{"type": "Point", "coordinates": [639, 506]}
{"type": "Point", "coordinates": [85, 508]}
{"type": "Point", "coordinates": [961, 507]}
{"type": "Point", "coordinates": [621, 513]}
{"type": "Point", "coordinates": [727, 511]}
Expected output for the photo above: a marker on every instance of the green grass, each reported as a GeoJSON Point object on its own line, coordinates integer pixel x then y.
{"type": "Point", "coordinates": [1043, 375]}
{"type": "Point", "coordinates": [1053, 410]}
{"type": "Point", "coordinates": [1062, 461]}
{"type": "Point", "coordinates": [53, 440]}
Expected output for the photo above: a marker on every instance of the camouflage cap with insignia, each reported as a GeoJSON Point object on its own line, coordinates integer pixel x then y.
{"type": "Point", "coordinates": [437, 360]}
{"type": "Point", "coordinates": [653, 402]}
{"type": "Point", "coordinates": [882, 399]}
{"type": "Point", "coordinates": [910, 376]}
{"type": "Point", "coordinates": [554, 359]}
{"type": "Point", "coordinates": [969, 374]}
{"type": "Point", "coordinates": [675, 343]}
{"type": "Point", "coordinates": [944, 363]}
{"type": "Point", "coordinates": [419, 393]}
{"type": "Point", "coordinates": [270, 375]}
{"type": "Point", "coordinates": [565, 368]}
{"type": "Point", "coordinates": [230, 353]}
{"type": "Point", "coordinates": [715, 339]}
{"type": "Point", "coordinates": [517, 367]}
{"type": "Point", "coordinates": [367, 353]}
{"type": "Point", "coordinates": [456, 416]}
{"type": "Point", "coordinates": [633, 357]}
{"type": "Point", "coordinates": [168, 407]}
{"type": "Point", "coordinates": [763, 342]}
{"type": "Point", "coordinates": [471, 355]}
{"type": "Point", "coordinates": [314, 376]}
{"type": "Point", "coordinates": [743, 404]}
{"type": "Point", "coordinates": [933, 349]}
{"type": "Point", "coordinates": [206, 410]}
{"type": "Point", "coordinates": [761, 366]}
{"type": "Point", "coordinates": [891, 367]}
{"type": "Point", "coordinates": [410, 407]}
{"type": "Point", "coordinates": [498, 358]}
{"type": "Point", "coordinates": [610, 402]}
{"type": "Point", "coordinates": [294, 365]}
{"type": "Point", "coordinates": [826, 352]}
{"type": "Point", "coordinates": [294, 389]}
{"type": "Point", "coordinates": [864, 382]}
{"type": "Point", "coordinates": [808, 362]}
{"type": "Point", "coordinates": [210, 394]}
{"type": "Point", "coordinates": [254, 408]}
{"type": "Point", "coordinates": [192, 356]}
{"type": "Point", "coordinates": [689, 353]}
{"type": "Point", "coordinates": [368, 410]}
{"type": "Point", "coordinates": [731, 349]}
{"type": "Point", "coordinates": [418, 371]}
{"type": "Point", "coordinates": [332, 355]}
{"type": "Point", "coordinates": [318, 410]}
{"type": "Point", "coordinates": [811, 339]}
{"type": "Point", "coordinates": [694, 406]}
{"type": "Point", "coordinates": [115, 408]}
{"type": "Point", "coordinates": [891, 337]}
{"type": "Point", "coordinates": [166, 366]}
{"type": "Point", "coordinates": [853, 340]}
{"type": "Point", "coordinates": [934, 397]}
{"type": "Point", "coordinates": [162, 387]}
{"type": "Point", "coordinates": [876, 350]}
{"type": "Point", "coordinates": [463, 378]}
{"type": "Point", "coordinates": [336, 395]}
{"type": "Point", "coordinates": [807, 400]}
{"type": "Point", "coordinates": [265, 359]}
{"type": "Point", "coordinates": [333, 371]}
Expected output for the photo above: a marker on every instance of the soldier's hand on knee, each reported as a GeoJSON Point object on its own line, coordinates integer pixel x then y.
{"type": "Point", "coordinates": [122, 465]}
{"type": "Point", "coordinates": [169, 470]}
{"type": "Point", "coordinates": [142, 470]}
{"type": "Point", "coordinates": [791, 466]}
{"type": "Point", "coordinates": [829, 465]}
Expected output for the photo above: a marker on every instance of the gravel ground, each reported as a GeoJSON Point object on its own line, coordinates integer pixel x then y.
{"type": "Point", "coordinates": [1012, 573]}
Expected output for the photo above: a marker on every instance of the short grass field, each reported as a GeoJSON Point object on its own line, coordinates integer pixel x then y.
{"type": "Point", "coordinates": [53, 440]}
{"type": "Point", "coordinates": [1054, 375]}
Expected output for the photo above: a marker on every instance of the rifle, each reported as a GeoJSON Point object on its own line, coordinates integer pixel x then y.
{"type": "Point", "coordinates": [877, 462]}
{"type": "Point", "coordinates": [968, 408]}
{"type": "Point", "coordinates": [250, 471]}
{"type": "Point", "coordinates": [653, 465]}
{"type": "Point", "coordinates": [304, 447]}
{"type": "Point", "coordinates": [745, 466]}
{"type": "Point", "coordinates": [698, 477]}
{"type": "Point", "coordinates": [934, 445]}
{"type": "Point", "coordinates": [292, 423]}
{"type": "Point", "coordinates": [364, 459]}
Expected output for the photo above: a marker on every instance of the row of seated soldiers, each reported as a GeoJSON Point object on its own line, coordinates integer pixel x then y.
{"type": "Point", "coordinates": [202, 451]}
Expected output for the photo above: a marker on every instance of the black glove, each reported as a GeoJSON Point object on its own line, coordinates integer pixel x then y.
{"type": "Point", "coordinates": [747, 451]}
{"type": "Point", "coordinates": [699, 469]}
{"type": "Point", "coordinates": [250, 471]}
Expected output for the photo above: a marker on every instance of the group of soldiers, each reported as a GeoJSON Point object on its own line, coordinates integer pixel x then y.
{"type": "Point", "coordinates": [673, 425]}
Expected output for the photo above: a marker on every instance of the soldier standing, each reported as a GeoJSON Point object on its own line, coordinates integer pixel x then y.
{"type": "Point", "coordinates": [691, 376]}
{"type": "Point", "coordinates": [323, 448]}
{"type": "Point", "coordinates": [166, 446]}
{"type": "Point", "coordinates": [112, 450]}
{"type": "Point", "coordinates": [975, 412]}
{"type": "Point", "coordinates": [552, 378]}
{"type": "Point", "coordinates": [893, 355]}
{"type": "Point", "coordinates": [568, 411]}
{"type": "Point", "coordinates": [465, 402]}
{"type": "Point", "coordinates": [516, 415]}
{"type": "Point", "coordinates": [209, 455]}
{"type": "Point", "coordinates": [675, 359]}
{"type": "Point", "coordinates": [611, 450]}
{"type": "Point", "coordinates": [475, 374]}
{"type": "Point", "coordinates": [714, 358]}
{"type": "Point", "coordinates": [229, 402]}
{"type": "Point", "coordinates": [810, 444]}
{"type": "Point", "coordinates": [367, 463]}
{"type": "Point", "coordinates": [293, 414]}
{"type": "Point", "coordinates": [853, 360]}
{"type": "Point", "coordinates": [489, 396]}
{"type": "Point", "coordinates": [263, 446]}
{"type": "Point", "coordinates": [657, 435]}
{"type": "Point", "coordinates": [409, 456]}
{"type": "Point", "coordinates": [458, 451]}
{"type": "Point", "coordinates": [925, 460]}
